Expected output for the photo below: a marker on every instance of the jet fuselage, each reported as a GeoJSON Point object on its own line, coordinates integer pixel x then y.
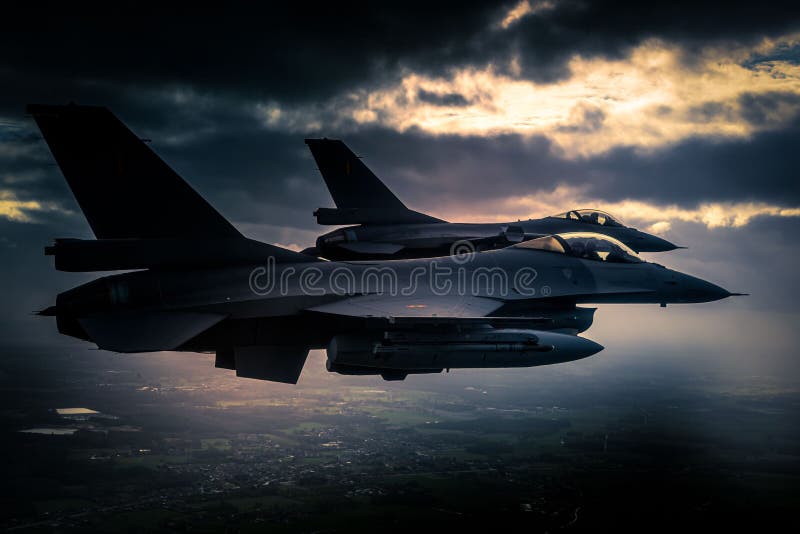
{"type": "Point", "coordinates": [275, 298]}
{"type": "Point", "coordinates": [427, 240]}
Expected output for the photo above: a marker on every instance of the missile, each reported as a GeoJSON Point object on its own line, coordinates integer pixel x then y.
{"type": "Point", "coordinates": [451, 350]}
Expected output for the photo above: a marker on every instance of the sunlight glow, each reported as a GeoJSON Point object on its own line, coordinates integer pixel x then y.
{"type": "Point", "coordinates": [523, 9]}
{"type": "Point", "coordinates": [17, 210]}
{"type": "Point", "coordinates": [656, 218]}
{"type": "Point", "coordinates": [655, 97]}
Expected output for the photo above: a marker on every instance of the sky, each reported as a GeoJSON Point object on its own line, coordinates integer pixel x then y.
{"type": "Point", "coordinates": [680, 118]}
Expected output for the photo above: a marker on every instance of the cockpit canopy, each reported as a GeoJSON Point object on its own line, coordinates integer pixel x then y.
{"type": "Point", "coordinates": [590, 216]}
{"type": "Point", "coordinates": [584, 245]}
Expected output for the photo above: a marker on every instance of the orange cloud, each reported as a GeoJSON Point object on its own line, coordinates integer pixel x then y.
{"type": "Point", "coordinates": [657, 218]}
{"type": "Point", "coordinates": [523, 9]}
{"type": "Point", "coordinates": [17, 210]}
{"type": "Point", "coordinates": [648, 100]}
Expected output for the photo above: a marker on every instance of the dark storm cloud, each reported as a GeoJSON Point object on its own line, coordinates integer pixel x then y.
{"type": "Point", "coordinates": [257, 176]}
{"type": "Point", "coordinates": [266, 50]}
{"type": "Point", "coordinates": [27, 169]}
{"type": "Point", "coordinates": [249, 174]}
{"type": "Point", "coordinates": [608, 28]}
{"type": "Point", "coordinates": [588, 120]}
{"type": "Point", "coordinates": [789, 52]}
{"type": "Point", "coordinates": [188, 80]}
{"type": "Point", "coordinates": [762, 168]}
{"type": "Point", "coordinates": [757, 109]}
{"type": "Point", "coordinates": [254, 176]}
{"type": "Point", "coordinates": [426, 171]}
{"type": "Point", "coordinates": [308, 52]}
{"type": "Point", "coordinates": [442, 99]}
{"type": "Point", "coordinates": [711, 111]}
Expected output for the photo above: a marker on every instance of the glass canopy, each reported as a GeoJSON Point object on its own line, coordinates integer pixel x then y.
{"type": "Point", "coordinates": [590, 216]}
{"type": "Point", "coordinates": [584, 245]}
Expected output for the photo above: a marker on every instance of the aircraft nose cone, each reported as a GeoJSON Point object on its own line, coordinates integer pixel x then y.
{"type": "Point", "coordinates": [692, 289]}
{"type": "Point", "coordinates": [710, 292]}
{"type": "Point", "coordinates": [650, 243]}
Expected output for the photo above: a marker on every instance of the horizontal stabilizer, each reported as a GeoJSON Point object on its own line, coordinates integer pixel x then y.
{"type": "Point", "coordinates": [146, 331]}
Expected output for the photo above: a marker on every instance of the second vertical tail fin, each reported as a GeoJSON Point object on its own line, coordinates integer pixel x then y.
{"type": "Point", "coordinates": [359, 195]}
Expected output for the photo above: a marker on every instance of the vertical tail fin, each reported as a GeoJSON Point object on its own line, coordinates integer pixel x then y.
{"type": "Point", "coordinates": [359, 195]}
{"type": "Point", "coordinates": [351, 183]}
{"type": "Point", "coordinates": [124, 189]}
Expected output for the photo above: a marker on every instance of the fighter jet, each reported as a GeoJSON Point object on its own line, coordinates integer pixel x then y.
{"type": "Point", "coordinates": [195, 283]}
{"type": "Point", "coordinates": [386, 228]}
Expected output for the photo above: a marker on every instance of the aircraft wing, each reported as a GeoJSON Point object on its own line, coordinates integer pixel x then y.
{"type": "Point", "coordinates": [433, 311]}
{"type": "Point", "coordinates": [396, 336]}
{"type": "Point", "coordinates": [402, 307]}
